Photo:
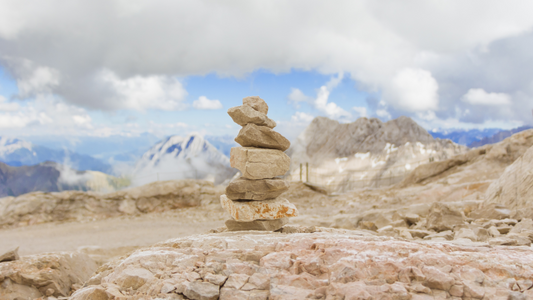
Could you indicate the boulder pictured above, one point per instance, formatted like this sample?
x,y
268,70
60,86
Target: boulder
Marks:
x,y
261,225
51,274
513,188
257,163
202,291
263,189
247,211
491,211
245,114
252,135
443,217
10,255
466,233
525,225
256,103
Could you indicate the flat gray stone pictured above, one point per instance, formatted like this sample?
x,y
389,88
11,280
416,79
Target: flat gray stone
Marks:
x,y
262,225
252,135
261,189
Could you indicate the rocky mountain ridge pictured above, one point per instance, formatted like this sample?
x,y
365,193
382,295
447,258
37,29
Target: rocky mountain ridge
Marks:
x,y
17,152
365,153
182,157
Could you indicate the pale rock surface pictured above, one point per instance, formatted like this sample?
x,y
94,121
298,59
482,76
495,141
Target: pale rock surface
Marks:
x,y
245,114
257,163
443,217
491,211
338,264
261,225
252,135
513,188
247,211
261,189
256,103
52,274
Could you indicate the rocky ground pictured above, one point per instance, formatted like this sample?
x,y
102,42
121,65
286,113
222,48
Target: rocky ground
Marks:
x,y
445,232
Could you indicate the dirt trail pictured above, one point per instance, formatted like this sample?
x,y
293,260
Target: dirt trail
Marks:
x,y
113,233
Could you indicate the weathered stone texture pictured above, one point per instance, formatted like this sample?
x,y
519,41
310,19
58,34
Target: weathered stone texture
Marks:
x,y
256,103
257,163
246,211
245,114
252,135
261,225
261,189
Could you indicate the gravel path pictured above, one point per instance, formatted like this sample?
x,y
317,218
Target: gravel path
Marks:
x,y
143,230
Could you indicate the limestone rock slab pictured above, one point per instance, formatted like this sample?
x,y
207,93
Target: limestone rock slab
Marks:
x,y
261,189
256,163
262,225
252,135
245,114
256,103
247,211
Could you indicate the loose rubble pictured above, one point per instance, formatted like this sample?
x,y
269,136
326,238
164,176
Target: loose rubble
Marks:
x,y
322,264
50,275
253,200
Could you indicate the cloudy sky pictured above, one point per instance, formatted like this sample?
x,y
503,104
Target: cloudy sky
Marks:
x,y
108,67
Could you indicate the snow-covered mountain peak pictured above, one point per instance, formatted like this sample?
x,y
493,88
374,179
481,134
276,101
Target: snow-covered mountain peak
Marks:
x,y
10,145
181,147
180,157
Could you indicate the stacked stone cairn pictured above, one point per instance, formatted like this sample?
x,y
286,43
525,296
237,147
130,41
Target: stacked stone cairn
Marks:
x,y
253,200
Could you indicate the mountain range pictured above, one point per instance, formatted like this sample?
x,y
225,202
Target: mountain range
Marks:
x,y
475,137
53,177
182,157
16,152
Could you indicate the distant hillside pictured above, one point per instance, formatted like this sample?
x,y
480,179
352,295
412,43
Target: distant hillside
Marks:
x,y
16,152
183,157
53,177
109,149
498,137
365,153
16,181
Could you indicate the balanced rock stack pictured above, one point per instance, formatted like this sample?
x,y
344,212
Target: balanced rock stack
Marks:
x,y
253,199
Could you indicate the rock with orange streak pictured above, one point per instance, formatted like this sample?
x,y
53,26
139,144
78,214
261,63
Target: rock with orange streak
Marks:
x,y
247,211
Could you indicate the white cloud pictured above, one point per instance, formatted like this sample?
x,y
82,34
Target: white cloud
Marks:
x,y
296,96
7,106
203,103
373,41
300,117
413,90
361,111
145,92
480,97
383,113
47,115
33,79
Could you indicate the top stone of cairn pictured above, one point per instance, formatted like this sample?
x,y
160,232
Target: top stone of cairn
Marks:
x,y
256,103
